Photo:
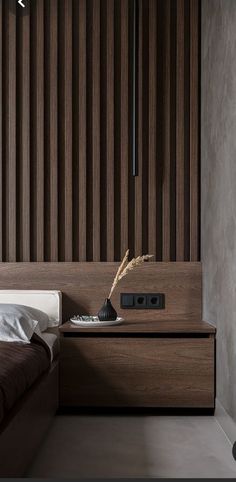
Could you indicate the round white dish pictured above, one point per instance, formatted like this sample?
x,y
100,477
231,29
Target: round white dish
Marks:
x,y
90,324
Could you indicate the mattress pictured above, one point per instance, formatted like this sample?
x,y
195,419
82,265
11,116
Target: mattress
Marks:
x,y
20,366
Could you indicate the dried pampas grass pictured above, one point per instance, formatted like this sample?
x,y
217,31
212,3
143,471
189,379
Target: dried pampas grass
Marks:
x,y
125,267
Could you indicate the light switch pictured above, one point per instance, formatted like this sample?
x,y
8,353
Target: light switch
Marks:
x,y
127,300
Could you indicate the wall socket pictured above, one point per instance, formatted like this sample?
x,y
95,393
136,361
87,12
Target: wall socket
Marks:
x,y
142,301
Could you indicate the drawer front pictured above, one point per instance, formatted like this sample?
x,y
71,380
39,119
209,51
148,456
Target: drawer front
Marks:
x,y
137,372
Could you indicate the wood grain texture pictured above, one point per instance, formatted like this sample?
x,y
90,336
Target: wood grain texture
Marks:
x,y
152,145
52,86
180,206
82,129
66,79
194,130
96,126
110,130
157,327
124,135
38,128
167,138
137,372
1,146
138,235
10,128
86,285
24,135
66,126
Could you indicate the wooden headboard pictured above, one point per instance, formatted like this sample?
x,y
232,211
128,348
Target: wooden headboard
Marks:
x,y
86,285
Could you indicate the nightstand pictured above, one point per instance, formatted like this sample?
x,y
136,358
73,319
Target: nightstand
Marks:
x,y
138,364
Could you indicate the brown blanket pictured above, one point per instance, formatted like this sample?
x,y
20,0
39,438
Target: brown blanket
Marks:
x,y
20,366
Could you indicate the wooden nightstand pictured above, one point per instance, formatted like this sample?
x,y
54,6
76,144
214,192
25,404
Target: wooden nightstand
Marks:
x,y
138,364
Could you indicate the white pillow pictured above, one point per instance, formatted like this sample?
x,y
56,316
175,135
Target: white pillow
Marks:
x,y
18,322
16,328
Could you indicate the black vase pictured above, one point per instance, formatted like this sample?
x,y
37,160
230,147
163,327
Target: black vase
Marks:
x,y
107,312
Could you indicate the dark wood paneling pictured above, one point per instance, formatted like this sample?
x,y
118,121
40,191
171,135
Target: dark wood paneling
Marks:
x,y
152,129
110,129
124,127
138,235
52,126
9,21
81,61
1,152
65,129
194,131
37,132
23,127
137,372
86,285
95,89
180,77
166,136
66,173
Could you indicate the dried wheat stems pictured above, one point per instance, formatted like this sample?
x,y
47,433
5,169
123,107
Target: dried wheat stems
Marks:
x,y
125,267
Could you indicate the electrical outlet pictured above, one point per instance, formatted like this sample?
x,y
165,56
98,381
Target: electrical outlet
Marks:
x,y
156,301
142,301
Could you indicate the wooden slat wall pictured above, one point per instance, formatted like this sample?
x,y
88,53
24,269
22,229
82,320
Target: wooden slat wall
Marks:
x,y
23,148
9,21
110,130
1,153
66,187
167,139
52,126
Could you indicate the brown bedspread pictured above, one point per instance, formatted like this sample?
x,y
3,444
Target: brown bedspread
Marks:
x,y
20,366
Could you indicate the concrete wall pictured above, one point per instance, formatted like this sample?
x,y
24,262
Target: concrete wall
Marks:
x,y
218,157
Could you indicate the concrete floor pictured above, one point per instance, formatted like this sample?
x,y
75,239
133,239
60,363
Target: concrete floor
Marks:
x,y
134,446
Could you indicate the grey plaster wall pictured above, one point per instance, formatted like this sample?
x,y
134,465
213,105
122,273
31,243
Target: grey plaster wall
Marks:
x,y
218,158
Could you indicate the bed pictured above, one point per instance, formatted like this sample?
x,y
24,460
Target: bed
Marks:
x,y
28,384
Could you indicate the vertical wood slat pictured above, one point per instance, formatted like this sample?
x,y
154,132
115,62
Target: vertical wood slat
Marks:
x,y
82,129
167,139
124,138
1,124
194,129
67,135
38,127
96,128
152,208
10,123
110,129
24,134
138,179
33,196
53,134
180,211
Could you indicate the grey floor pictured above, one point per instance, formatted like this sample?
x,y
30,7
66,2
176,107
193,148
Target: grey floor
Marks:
x,y
134,446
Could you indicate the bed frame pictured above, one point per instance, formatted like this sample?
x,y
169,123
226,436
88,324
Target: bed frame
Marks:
x,y
24,428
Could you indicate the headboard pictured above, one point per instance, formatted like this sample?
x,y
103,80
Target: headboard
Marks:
x,y
84,286
48,301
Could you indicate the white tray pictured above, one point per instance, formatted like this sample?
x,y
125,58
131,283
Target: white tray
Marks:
x,y
90,324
